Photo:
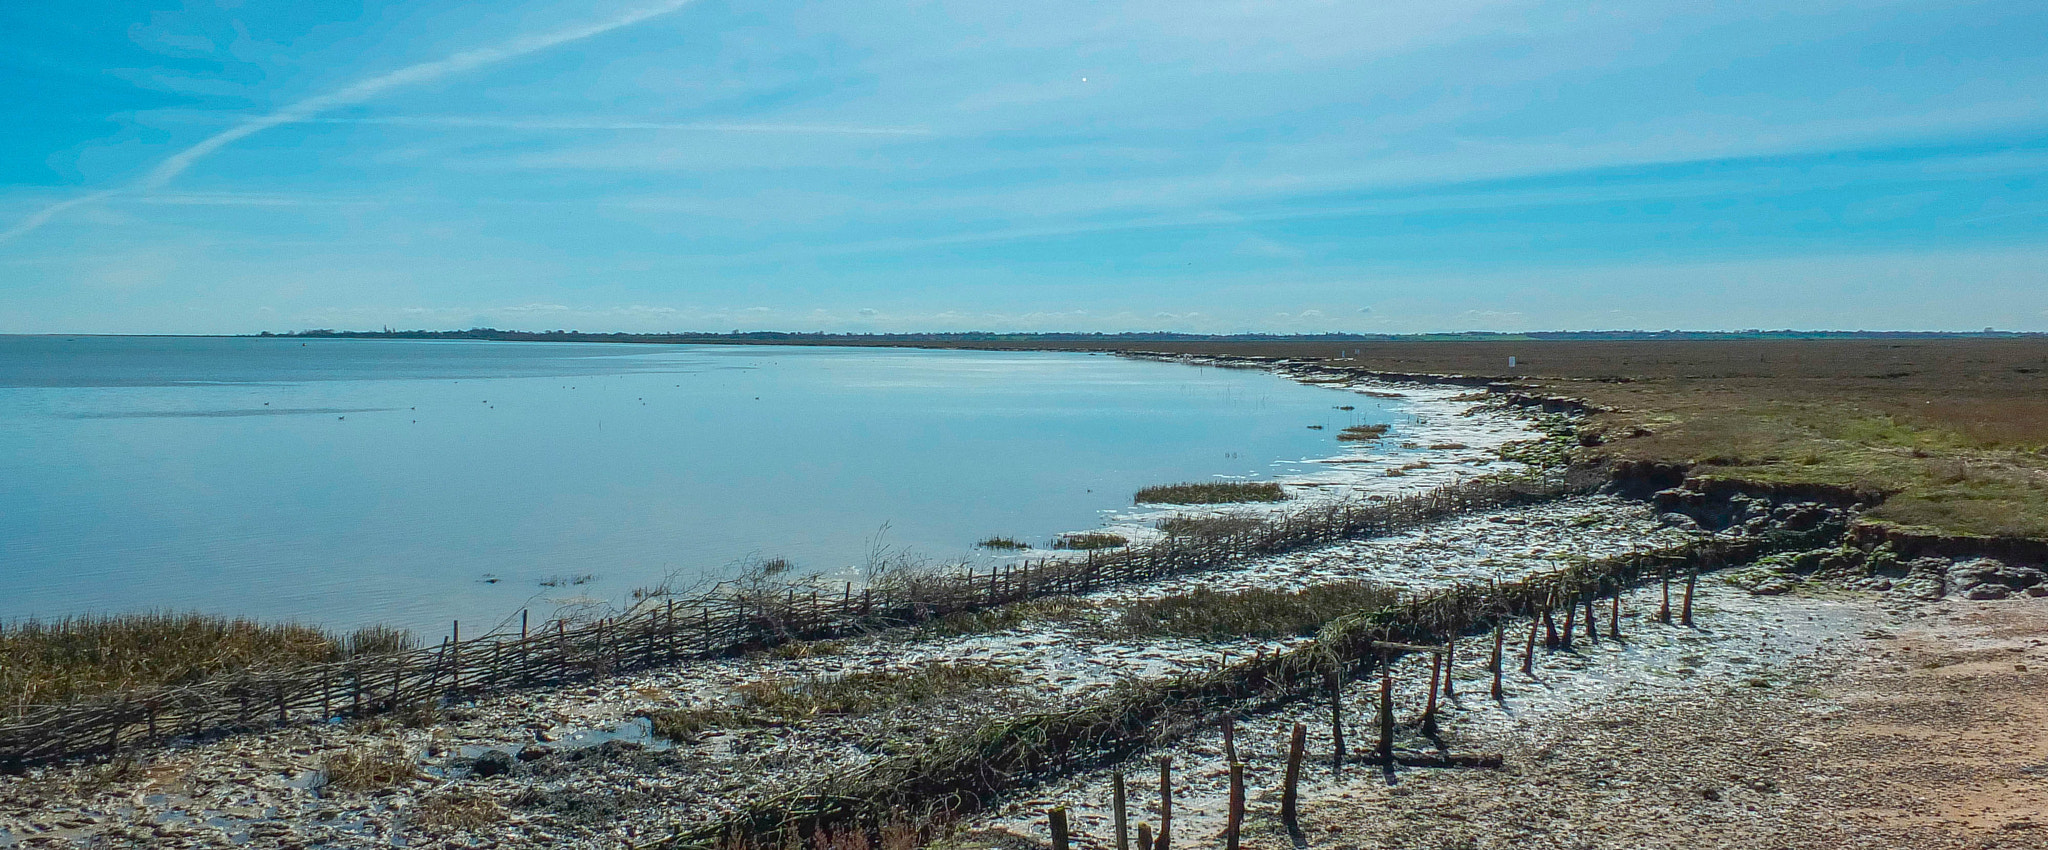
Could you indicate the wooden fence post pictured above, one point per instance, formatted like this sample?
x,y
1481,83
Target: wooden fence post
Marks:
x,y
1664,610
1336,722
1614,617
1165,803
1436,669
1233,826
1549,624
1592,627
1500,636
1229,739
1529,652
1691,578
1145,836
1386,711
1057,821
1289,794
1450,663
1571,610
1118,812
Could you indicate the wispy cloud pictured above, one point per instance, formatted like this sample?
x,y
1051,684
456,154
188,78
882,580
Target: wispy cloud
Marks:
x,y
361,92
620,124
42,216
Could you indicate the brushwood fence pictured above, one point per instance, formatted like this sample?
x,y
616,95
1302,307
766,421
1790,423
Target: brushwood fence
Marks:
x,y
729,618
971,771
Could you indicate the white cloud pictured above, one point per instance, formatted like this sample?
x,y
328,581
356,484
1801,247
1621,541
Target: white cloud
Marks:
x,y
360,92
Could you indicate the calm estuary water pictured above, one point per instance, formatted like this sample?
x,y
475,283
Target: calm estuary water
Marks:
x,y
343,482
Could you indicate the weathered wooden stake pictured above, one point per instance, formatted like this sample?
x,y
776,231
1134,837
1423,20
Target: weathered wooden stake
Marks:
x,y
1500,637
1145,836
1165,803
1691,578
1289,794
1664,610
1450,663
1529,653
1233,827
1118,812
1229,739
1436,670
1571,610
1058,823
1336,722
1592,628
1549,625
455,656
1614,617
1386,748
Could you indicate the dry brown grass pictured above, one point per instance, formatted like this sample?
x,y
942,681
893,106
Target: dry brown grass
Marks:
x,y
369,768
1205,614
456,808
782,700
56,661
1209,528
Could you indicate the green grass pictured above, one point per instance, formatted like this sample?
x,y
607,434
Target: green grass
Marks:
x,y
57,661
1364,433
1090,540
1212,493
784,700
1934,478
1204,614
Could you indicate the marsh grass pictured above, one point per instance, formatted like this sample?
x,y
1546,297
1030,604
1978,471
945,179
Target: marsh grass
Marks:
x,y
1204,614
1090,540
1363,433
1212,493
368,768
1008,543
786,700
456,808
1046,609
44,662
1209,528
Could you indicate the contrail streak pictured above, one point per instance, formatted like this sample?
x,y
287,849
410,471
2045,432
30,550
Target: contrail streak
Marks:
x,y
360,92
42,216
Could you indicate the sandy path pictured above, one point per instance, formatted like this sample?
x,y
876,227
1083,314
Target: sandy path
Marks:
x,y
1928,731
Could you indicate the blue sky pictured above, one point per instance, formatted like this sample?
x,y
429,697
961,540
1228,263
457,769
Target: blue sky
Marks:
x,y
1394,166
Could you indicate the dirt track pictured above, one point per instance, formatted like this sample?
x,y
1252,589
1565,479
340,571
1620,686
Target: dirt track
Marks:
x,y
1929,732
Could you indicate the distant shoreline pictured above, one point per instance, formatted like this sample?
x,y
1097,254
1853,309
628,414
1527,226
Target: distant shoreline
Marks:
x,y
988,337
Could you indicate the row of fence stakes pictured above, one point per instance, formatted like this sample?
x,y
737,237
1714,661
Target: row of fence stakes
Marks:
x,y
1442,666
